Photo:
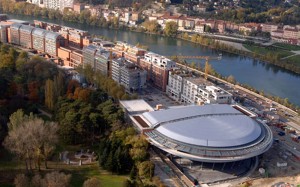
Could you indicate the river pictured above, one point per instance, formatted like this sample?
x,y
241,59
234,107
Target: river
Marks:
x,y
262,76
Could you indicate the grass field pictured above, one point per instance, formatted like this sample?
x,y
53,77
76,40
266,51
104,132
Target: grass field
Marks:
x,y
10,167
288,46
294,59
265,50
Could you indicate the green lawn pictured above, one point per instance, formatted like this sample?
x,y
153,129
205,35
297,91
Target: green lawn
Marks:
x,y
265,50
9,167
294,59
81,173
288,46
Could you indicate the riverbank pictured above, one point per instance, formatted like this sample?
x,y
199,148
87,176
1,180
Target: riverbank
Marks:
x,y
276,81
281,102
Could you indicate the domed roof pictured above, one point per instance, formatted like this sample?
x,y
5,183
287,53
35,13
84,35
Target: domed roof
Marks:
x,y
209,125
213,131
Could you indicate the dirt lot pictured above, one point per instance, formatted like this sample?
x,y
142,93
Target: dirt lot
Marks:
x,y
273,181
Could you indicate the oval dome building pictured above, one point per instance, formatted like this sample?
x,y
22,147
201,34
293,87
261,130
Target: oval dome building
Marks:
x,y
209,133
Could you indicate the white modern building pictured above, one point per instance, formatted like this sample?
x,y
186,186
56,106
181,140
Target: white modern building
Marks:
x,y
159,60
175,84
53,4
208,133
185,88
190,89
212,95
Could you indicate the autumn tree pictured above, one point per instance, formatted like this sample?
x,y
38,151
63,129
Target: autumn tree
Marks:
x,y
151,26
72,85
21,180
231,79
30,138
33,89
49,94
171,28
56,179
207,69
92,182
146,169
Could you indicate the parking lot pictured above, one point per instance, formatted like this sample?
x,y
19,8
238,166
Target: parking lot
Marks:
x,y
154,97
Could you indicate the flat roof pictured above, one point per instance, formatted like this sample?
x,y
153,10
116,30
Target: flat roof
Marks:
x,y
197,81
138,105
18,21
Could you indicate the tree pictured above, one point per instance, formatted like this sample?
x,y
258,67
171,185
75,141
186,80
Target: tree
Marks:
x,y
21,180
146,169
207,28
92,182
33,89
171,28
7,61
151,26
49,94
56,179
207,69
231,79
31,139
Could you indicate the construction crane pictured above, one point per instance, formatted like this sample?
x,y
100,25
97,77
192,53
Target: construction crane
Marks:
x,y
207,58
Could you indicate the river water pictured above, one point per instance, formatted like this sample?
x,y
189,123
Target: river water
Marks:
x,y
262,76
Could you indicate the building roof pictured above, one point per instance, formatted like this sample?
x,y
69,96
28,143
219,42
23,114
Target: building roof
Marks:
x,y
209,125
138,105
90,48
197,81
39,32
18,21
51,35
26,28
16,26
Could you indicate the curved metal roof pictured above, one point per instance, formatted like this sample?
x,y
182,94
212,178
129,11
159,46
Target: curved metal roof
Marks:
x,y
90,48
26,28
15,26
209,125
39,32
213,131
51,35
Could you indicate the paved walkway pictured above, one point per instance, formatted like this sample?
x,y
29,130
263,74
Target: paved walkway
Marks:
x,y
160,171
289,56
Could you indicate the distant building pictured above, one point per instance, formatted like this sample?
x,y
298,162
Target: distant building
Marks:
x,y
26,36
38,37
15,33
52,4
128,74
103,62
212,95
268,27
199,27
78,7
65,4
290,33
4,33
190,89
52,42
89,53
76,58
135,16
175,84
157,68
